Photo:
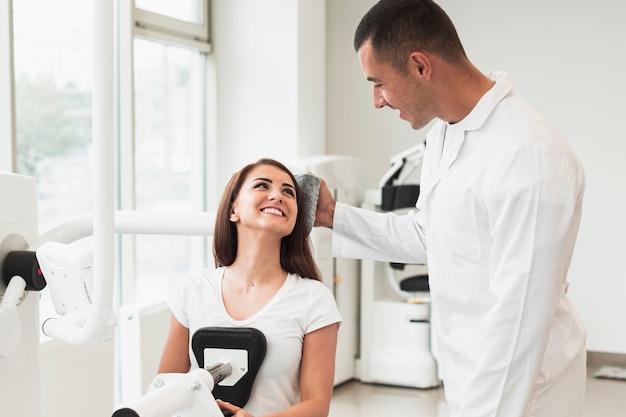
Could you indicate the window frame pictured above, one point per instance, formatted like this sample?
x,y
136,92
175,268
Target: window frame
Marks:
x,y
167,29
138,23
8,148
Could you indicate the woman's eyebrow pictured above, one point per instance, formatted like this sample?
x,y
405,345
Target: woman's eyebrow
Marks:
x,y
285,184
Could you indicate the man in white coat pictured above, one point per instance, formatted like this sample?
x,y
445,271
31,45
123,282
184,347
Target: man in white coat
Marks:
x,y
496,220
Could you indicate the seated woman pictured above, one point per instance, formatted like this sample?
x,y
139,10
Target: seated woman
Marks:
x,y
265,278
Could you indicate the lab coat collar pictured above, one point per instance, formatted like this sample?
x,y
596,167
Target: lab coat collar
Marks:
x,y
455,133
487,103
448,138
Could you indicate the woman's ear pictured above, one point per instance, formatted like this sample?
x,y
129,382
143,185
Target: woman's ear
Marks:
x,y
234,217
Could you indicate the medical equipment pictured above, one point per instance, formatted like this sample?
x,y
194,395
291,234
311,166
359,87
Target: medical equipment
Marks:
x,y
9,320
68,270
403,164
65,270
182,395
19,329
396,346
75,294
345,177
19,310
19,332
229,359
20,273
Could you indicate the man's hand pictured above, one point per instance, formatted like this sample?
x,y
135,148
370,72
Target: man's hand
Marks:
x,y
325,210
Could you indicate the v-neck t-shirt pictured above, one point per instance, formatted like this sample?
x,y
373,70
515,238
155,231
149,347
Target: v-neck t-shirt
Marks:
x,y
300,306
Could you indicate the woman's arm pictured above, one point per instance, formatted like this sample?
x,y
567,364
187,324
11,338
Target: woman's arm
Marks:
x,y
175,357
317,374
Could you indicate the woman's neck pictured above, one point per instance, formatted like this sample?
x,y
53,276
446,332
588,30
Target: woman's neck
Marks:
x,y
257,263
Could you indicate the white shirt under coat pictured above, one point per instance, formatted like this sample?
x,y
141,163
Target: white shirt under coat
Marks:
x,y
496,222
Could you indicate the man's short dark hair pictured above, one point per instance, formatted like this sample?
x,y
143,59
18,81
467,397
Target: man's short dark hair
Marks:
x,y
398,27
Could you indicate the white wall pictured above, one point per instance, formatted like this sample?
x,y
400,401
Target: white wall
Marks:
x,y
270,69
354,126
566,57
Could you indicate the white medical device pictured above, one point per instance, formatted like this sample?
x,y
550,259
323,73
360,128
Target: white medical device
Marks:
x,y
229,360
68,270
19,333
20,272
9,319
181,395
403,165
396,346
79,299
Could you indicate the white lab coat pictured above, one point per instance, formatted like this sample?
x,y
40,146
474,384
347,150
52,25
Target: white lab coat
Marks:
x,y
497,220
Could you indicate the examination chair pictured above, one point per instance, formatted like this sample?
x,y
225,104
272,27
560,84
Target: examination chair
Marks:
x,y
399,197
229,360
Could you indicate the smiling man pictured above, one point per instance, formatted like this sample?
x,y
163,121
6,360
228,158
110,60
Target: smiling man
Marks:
x,y
496,221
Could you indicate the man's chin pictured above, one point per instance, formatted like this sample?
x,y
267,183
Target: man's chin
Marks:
x,y
419,124
416,125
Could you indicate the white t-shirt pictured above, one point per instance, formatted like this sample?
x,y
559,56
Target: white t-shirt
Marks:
x,y
300,306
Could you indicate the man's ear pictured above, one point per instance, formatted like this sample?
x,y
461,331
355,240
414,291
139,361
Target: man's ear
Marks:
x,y
420,65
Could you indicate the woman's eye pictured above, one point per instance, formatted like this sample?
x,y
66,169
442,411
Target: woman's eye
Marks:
x,y
261,185
289,192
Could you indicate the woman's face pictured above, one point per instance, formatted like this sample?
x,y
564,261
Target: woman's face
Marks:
x,y
266,201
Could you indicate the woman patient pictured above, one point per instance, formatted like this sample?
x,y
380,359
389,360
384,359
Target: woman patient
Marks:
x,y
265,277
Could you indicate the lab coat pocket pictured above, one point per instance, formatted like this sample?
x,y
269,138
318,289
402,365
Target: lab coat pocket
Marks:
x,y
460,233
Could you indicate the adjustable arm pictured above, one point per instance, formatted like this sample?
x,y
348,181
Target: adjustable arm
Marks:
x,y
75,263
20,273
182,395
9,320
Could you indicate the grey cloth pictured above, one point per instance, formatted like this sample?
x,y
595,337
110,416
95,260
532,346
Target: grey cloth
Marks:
x,y
309,187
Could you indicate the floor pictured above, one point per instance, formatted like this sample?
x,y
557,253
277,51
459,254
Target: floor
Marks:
x,y
605,398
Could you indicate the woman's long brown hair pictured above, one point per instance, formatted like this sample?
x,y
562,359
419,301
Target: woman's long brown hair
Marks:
x,y
296,255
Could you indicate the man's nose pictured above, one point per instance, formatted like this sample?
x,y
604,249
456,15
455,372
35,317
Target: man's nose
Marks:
x,y
379,100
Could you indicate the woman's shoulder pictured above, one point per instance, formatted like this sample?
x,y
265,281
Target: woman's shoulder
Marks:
x,y
309,284
299,278
317,300
203,277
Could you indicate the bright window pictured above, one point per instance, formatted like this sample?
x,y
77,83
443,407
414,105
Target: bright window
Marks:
x,y
166,130
169,130
53,87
